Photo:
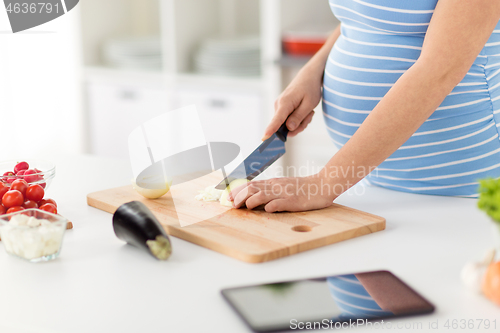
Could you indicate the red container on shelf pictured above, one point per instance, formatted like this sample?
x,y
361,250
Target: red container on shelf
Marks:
x,y
303,43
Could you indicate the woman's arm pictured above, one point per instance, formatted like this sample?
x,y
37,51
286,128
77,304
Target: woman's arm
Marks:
x,y
457,32
303,94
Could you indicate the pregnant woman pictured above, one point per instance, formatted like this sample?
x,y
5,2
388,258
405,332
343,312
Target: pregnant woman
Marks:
x,y
411,96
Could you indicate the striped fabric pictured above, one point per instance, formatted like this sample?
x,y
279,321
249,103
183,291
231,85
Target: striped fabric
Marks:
x,y
458,144
353,299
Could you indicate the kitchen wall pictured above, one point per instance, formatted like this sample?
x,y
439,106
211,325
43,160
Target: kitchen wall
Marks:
x,y
40,89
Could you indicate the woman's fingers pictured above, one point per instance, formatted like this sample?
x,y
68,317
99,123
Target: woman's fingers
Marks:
x,y
246,192
299,115
234,192
259,198
280,205
307,120
294,112
285,194
283,108
254,194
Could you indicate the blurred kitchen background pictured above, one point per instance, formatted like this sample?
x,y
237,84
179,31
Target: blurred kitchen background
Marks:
x,y
83,82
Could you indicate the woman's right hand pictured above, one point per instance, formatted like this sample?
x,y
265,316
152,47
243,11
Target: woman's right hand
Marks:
x,y
303,94
296,103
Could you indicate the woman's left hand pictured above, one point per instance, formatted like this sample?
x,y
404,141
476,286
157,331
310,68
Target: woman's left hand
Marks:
x,y
286,194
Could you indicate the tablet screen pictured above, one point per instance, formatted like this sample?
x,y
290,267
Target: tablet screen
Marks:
x,y
325,302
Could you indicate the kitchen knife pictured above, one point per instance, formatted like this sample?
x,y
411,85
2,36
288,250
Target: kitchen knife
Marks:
x,y
260,159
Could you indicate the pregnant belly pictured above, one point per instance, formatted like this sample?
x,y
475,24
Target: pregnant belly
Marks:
x,y
457,145
357,76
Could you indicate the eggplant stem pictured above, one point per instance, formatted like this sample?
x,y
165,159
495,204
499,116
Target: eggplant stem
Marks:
x,y
160,247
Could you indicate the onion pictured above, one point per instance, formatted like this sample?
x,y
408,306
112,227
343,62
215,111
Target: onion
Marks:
x,y
209,194
473,272
472,275
152,193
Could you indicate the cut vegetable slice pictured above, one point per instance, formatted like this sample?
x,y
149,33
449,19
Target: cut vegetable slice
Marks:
x,y
151,193
209,194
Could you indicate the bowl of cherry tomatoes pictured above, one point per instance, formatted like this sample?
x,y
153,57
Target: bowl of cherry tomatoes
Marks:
x,y
35,171
23,187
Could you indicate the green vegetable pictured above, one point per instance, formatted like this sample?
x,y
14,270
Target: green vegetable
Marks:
x,y
280,288
489,198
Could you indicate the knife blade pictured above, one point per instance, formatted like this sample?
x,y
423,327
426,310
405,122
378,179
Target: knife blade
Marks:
x,y
260,159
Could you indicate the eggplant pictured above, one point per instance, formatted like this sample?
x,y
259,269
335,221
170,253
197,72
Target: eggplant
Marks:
x,y
135,224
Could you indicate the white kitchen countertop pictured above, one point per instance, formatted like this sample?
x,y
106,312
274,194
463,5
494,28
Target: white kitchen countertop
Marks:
x,y
100,284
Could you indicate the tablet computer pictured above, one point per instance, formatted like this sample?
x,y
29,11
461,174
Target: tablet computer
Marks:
x,y
340,301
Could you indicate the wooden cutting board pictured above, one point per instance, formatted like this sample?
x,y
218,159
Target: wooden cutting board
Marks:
x,y
248,235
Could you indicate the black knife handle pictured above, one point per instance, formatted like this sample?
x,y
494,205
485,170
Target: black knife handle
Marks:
x,y
282,132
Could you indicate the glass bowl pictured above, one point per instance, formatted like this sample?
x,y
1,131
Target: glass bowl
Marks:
x,y
43,178
23,238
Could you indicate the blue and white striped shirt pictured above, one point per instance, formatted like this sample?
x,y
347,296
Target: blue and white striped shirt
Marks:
x,y
458,144
353,299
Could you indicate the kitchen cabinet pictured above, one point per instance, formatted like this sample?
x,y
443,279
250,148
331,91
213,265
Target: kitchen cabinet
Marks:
x,y
114,110
233,109
231,117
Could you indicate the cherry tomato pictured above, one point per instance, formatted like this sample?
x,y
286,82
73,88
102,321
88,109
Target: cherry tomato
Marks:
x,y
32,176
35,193
9,177
43,185
2,210
20,173
14,209
21,185
21,166
3,189
46,201
13,198
49,208
30,204
39,173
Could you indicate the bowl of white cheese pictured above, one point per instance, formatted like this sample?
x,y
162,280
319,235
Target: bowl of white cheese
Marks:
x,y
33,234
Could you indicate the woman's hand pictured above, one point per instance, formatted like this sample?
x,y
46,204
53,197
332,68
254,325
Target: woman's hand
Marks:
x,y
303,94
287,194
296,103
